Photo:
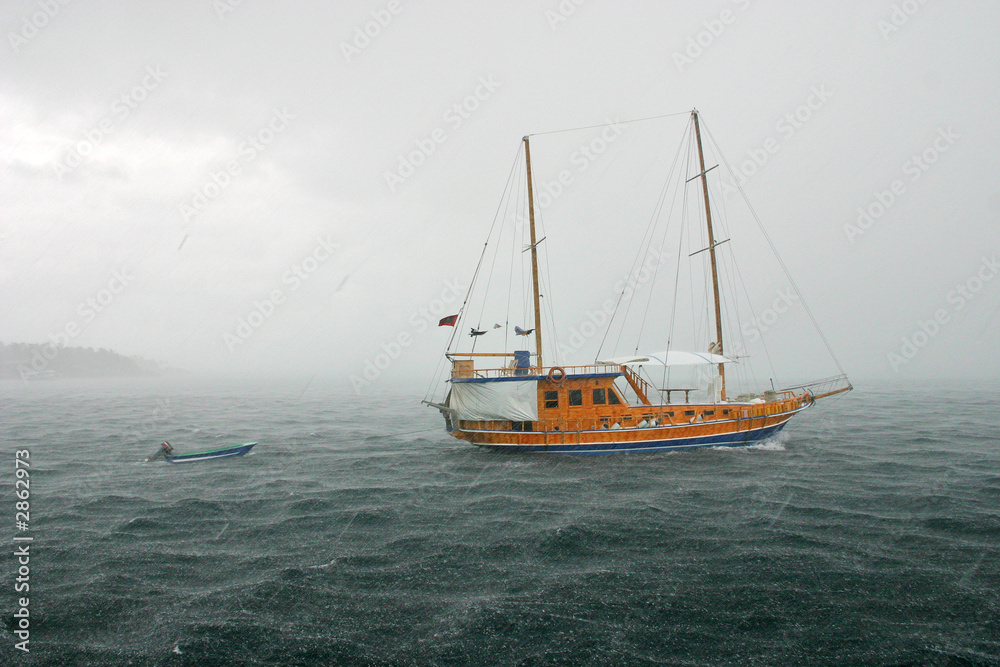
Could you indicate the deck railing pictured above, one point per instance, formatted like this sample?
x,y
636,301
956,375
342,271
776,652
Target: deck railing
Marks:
x,y
822,388
462,371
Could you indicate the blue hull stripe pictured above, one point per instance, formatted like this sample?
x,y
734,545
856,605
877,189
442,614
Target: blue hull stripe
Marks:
x,y
722,440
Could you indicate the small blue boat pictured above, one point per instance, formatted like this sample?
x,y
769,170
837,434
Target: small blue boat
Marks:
x,y
167,451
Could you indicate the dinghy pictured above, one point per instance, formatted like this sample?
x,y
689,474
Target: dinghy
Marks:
x,y
166,451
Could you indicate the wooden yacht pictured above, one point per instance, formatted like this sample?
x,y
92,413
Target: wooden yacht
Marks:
x,y
512,400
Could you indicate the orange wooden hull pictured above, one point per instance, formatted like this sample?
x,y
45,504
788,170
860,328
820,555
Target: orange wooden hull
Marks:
x,y
716,433
583,412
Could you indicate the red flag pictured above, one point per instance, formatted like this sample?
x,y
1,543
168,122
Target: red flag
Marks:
x,y
448,321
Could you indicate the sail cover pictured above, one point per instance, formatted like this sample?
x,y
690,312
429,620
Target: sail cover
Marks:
x,y
671,358
516,400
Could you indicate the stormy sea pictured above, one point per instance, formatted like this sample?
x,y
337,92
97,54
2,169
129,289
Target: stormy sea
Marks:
x,y
358,532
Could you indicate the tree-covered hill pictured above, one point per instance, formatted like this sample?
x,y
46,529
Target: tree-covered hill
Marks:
x,y
30,361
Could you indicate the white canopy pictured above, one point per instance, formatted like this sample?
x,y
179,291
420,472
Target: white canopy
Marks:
x,y
516,400
670,358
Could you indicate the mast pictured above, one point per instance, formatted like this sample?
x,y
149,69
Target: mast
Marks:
x,y
711,250
534,258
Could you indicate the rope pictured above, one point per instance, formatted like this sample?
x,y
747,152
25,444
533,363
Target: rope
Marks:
x,y
774,250
393,435
439,371
622,122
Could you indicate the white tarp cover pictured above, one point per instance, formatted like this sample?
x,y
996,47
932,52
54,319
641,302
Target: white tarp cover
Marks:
x,y
516,400
671,358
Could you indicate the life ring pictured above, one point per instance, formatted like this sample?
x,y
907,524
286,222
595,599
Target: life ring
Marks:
x,y
556,375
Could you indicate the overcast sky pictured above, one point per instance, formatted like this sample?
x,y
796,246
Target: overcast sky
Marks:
x,y
169,169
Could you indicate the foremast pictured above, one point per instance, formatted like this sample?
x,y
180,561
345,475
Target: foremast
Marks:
x,y
534,258
711,251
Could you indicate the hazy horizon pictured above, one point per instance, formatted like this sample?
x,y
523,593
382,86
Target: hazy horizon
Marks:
x,y
261,190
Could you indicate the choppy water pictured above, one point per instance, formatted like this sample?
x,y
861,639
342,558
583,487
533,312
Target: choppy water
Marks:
x,y
358,532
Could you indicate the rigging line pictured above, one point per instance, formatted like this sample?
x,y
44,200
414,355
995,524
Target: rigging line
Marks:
x,y
681,192
527,280
482,255
682,229
472,283
657,212
731,308
424,430
774,250
738,286
505,203
763,344
746,370
698,312
680,247
650,228
547,306
518,209
516,231
621,122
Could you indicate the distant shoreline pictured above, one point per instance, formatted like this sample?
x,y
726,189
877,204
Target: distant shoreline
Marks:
x,y
43,362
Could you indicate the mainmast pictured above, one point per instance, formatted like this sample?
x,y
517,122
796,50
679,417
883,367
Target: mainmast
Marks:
x,y
534,258
711,250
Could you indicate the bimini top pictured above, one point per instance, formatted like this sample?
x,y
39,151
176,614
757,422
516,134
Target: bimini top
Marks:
x,y
670,358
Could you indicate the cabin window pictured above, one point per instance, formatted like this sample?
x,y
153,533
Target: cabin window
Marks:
x,y
689,413
613,397
575,397
552,399
600,397
709,412
725,412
